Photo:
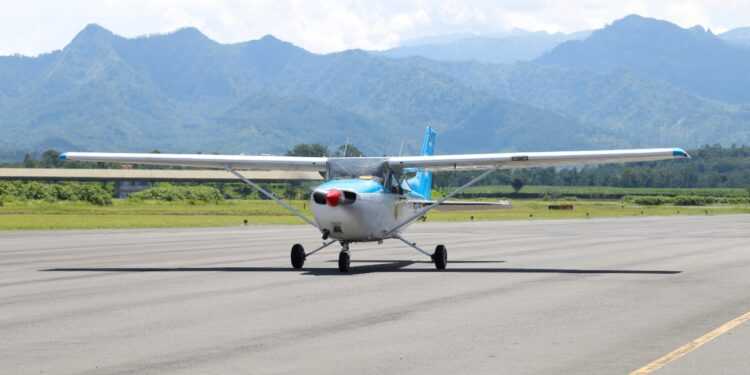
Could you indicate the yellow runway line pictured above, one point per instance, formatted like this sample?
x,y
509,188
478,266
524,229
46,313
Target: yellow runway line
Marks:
x,y
692,345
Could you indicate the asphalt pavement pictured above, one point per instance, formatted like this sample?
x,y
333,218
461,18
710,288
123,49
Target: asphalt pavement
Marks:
x,y
600,296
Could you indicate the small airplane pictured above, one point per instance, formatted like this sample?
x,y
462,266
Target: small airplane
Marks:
x,y
366,199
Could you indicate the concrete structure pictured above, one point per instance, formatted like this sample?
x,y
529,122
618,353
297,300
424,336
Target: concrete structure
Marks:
x,y
525,297
182,175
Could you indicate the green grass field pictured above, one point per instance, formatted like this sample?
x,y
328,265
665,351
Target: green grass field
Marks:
x,y
134,214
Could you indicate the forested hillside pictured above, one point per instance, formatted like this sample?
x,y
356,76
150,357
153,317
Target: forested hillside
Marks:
x,y
694,59
183,92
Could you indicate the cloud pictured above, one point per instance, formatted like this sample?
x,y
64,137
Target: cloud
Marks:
x,y
32,27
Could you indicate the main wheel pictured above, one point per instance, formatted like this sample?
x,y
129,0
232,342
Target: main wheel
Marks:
x,y
344,261
298,256
440,257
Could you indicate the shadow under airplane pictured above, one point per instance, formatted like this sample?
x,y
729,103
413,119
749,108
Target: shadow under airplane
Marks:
x,y
381,266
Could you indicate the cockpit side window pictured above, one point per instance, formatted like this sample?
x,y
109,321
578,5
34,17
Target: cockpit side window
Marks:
x,y
392,184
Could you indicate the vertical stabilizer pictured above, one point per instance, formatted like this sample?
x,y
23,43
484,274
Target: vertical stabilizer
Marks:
x,y
422,183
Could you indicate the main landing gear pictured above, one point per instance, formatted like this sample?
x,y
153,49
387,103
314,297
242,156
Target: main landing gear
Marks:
x,y
439,257
298,255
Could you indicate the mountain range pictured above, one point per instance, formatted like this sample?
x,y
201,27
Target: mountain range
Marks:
x,y
694,59
636,82
739,36
512,47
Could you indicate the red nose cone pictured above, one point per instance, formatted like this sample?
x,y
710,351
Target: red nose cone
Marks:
x,y
333,197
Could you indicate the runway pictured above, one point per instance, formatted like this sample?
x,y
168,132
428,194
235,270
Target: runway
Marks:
x,y
605,296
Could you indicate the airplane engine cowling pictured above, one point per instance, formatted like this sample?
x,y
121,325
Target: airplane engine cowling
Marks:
x,y
335,197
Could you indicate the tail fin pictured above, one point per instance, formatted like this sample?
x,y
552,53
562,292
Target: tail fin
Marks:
x,y
422,183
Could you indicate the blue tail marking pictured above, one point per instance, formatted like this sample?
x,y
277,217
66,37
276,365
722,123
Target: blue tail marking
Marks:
x,y
421,184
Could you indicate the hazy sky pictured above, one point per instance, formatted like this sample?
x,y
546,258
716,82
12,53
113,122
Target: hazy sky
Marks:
x,y
33,26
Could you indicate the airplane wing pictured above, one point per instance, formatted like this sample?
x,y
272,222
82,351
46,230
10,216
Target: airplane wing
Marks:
x,y
239,162
534,159
431,162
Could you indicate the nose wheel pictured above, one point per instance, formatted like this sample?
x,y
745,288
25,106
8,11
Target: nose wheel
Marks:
x,y
344,261
344,258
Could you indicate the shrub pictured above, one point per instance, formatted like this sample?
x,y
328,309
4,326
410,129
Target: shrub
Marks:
x,y
35,191
64,192
647,200
53,192
685,200
94,194
8,189
171,193
735,200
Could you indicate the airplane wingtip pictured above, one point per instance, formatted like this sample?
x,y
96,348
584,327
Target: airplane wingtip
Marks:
x,y
680,153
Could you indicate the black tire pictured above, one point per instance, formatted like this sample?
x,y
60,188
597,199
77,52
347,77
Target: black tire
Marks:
x,y
344,261
440,257
298,256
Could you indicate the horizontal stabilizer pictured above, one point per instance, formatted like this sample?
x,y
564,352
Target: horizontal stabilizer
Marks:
x,y
466,204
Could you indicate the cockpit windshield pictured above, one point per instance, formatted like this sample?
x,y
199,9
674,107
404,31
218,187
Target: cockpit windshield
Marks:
x,y
356,168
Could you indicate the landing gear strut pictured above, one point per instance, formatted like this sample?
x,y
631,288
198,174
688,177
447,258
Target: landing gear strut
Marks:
x,y
344,258
298,254
439,257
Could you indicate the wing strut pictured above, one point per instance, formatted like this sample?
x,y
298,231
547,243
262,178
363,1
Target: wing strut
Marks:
x,y
438,202
270,195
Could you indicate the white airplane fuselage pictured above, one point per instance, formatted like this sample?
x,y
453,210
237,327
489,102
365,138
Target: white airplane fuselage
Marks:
x,y
369,217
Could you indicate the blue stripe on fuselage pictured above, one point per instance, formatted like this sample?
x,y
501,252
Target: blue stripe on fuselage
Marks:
x,y
355,185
